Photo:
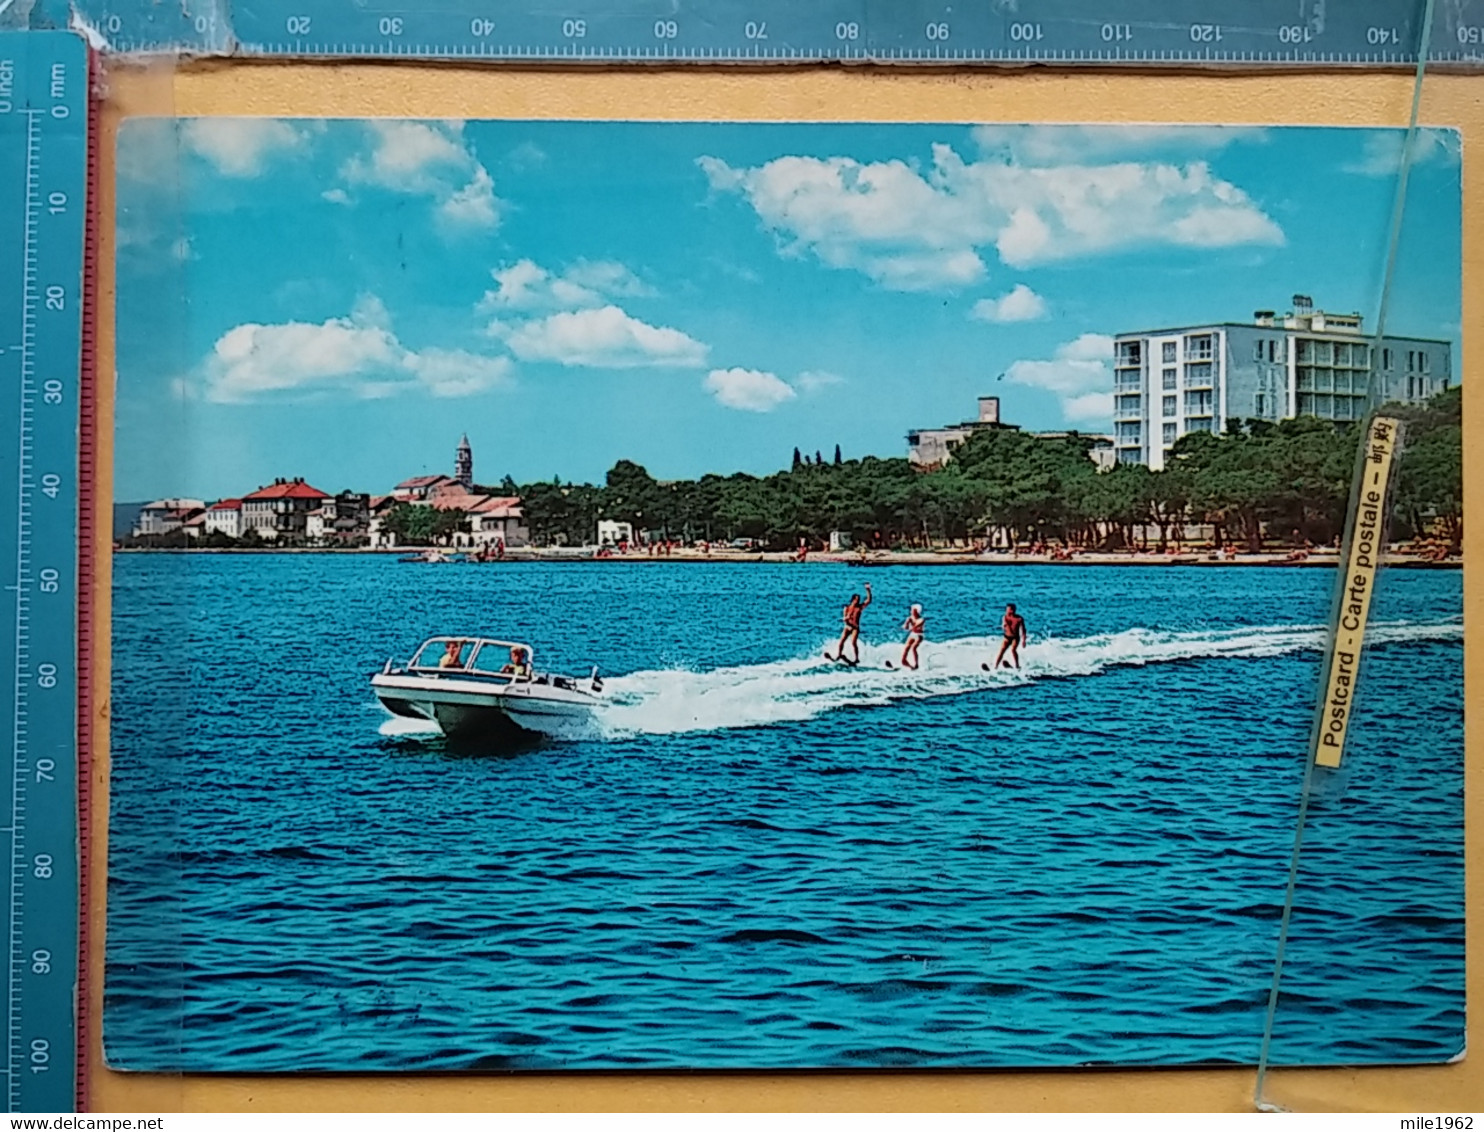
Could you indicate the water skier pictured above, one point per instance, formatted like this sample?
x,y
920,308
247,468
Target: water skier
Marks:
x,y
1013,625
851,634
915,624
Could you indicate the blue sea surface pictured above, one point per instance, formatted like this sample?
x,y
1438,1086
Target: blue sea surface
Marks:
x,y
762,860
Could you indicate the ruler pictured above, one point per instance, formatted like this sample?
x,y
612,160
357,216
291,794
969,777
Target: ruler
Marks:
x,y
44,83
1251,33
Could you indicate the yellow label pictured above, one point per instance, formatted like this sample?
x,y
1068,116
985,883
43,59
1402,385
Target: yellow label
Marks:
x,y
1366,547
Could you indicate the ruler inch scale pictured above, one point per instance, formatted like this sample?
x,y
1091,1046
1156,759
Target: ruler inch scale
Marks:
x,y
1111,33
44,106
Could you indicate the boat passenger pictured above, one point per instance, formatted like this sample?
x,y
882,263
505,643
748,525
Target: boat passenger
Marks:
x,y
520,664
453,657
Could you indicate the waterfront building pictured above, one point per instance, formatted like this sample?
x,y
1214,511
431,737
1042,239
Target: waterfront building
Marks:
x,y
931,448
497,519
165,515
1306,362
420,489
225,515
611,532
1101,453
347,517
377,536
281,510
318,523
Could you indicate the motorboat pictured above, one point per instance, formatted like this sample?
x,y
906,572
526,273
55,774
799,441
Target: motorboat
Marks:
x,y
482,688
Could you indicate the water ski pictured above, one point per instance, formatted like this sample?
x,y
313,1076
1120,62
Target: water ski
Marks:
x,y
841,659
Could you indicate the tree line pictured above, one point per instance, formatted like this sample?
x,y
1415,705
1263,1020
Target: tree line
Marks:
x,y
1258,482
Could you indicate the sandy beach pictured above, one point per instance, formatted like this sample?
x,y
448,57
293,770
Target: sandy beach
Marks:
x,y
1324,557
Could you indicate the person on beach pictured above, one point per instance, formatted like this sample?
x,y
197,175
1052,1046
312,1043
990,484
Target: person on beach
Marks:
x,y
1014,629
914,625
851,633
453,656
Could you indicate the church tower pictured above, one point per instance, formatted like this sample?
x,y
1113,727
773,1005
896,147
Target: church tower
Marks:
x,y
463,464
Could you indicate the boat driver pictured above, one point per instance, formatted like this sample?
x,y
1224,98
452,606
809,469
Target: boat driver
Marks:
x,y
519,664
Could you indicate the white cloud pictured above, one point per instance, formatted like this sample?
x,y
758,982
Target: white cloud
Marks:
x,y
882,219
1088,408
1080,376
474,205
751,390
910,229
1021,304
814,381
526,286
601,337
358,354
1087,348
570,318
527,155
1074,145
148,151
1381,151
335,196
241,147
428,159
458,373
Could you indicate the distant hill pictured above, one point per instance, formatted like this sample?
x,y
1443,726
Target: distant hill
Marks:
x,y
125,515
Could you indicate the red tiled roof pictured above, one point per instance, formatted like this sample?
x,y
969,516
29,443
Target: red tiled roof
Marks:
x,y
296,489
421,481
499,507
459,500
226,505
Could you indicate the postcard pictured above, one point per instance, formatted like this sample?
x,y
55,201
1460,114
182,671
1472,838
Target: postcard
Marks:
x,y
660,595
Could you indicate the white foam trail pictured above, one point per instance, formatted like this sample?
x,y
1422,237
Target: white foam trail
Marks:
x,y
669,701
400,727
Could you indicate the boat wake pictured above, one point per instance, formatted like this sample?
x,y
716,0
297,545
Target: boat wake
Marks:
x,y
400,727
671,701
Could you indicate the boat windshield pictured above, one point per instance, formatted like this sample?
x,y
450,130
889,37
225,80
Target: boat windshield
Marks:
x,y
496,658
482,655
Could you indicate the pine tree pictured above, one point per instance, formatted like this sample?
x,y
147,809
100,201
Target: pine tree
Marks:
x,y
797,458
837,455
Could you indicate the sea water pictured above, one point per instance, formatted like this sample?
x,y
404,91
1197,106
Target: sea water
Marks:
x,y
758,859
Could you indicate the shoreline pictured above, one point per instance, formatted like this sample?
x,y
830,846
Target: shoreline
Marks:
x,y
1320,559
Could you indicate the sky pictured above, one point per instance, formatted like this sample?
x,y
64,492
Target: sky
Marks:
x,y
341,300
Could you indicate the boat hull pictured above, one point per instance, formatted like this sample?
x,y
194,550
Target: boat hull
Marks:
x,y
470,710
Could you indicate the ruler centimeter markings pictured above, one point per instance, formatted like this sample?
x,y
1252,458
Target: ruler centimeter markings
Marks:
x,y
1248,33
44,83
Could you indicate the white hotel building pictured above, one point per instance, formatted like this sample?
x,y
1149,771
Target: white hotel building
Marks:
x,y
1167,383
